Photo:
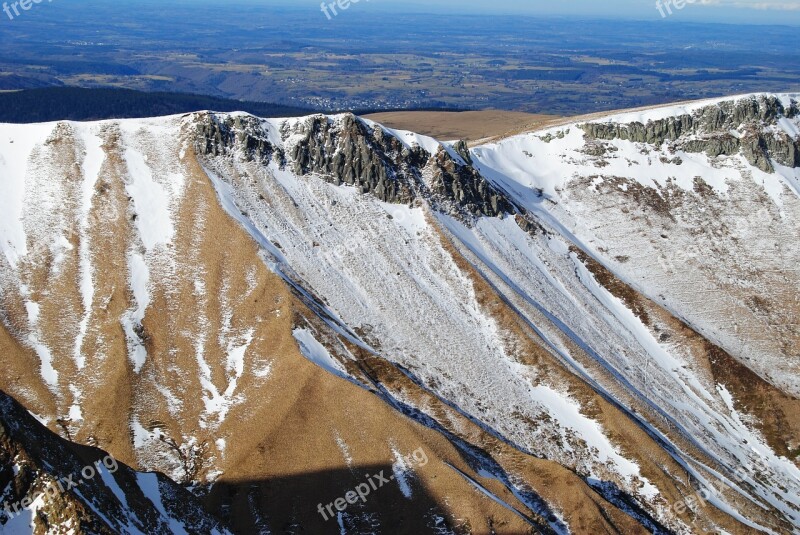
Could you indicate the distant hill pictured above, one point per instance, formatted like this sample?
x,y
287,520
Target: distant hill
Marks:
x,y
81,104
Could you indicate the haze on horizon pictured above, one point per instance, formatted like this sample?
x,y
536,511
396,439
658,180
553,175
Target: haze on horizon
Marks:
x,y
723,11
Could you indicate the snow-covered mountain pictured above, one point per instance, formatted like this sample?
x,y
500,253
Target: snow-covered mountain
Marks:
x,y
586,329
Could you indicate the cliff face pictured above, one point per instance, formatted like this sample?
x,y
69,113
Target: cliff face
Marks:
x,y
348,150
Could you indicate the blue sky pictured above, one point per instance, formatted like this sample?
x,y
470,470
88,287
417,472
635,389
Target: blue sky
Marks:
x,y
729,11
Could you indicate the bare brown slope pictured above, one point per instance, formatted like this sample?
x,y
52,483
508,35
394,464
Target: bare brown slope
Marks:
x,y
469,125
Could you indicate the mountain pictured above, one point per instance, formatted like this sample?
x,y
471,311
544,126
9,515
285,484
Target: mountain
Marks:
x,y
322,325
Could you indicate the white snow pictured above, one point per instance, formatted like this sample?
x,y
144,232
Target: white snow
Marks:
x,y
661,112
215,403
412,220
149,485
567,412
17,142
33,310
317,353
49,373
151,200
140,435
402,474
111,483
789,126
139,283
75,413
412,139
555,163
236,355
92,165
133,524
25,522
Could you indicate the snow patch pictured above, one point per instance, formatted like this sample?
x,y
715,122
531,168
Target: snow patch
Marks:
x,y
152,203
132,321
149,485
317,353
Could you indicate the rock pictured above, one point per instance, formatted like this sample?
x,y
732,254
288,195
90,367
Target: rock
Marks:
x,y
710,127
345,150
462,150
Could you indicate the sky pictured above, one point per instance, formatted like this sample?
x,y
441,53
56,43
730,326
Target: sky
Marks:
x,y
725,11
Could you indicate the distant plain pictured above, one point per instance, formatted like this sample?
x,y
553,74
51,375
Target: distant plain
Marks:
x,y
369,60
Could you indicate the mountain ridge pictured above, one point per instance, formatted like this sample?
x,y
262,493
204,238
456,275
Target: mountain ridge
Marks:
x,y
473,297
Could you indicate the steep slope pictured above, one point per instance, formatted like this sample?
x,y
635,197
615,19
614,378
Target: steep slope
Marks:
x,y
270,311
139,318
711,190
542,273
695,208
53,486
386,290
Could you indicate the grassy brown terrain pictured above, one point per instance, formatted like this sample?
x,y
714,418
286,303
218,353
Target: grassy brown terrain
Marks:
x,y
483,126
469,125
306,437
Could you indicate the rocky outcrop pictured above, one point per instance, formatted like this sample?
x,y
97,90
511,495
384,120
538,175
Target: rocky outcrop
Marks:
x,y
51,483
464,186
346,150
710,128
462,149
219,135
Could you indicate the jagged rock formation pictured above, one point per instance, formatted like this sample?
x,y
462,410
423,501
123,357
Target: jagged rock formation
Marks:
x,y
347,150
219,135
755,120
